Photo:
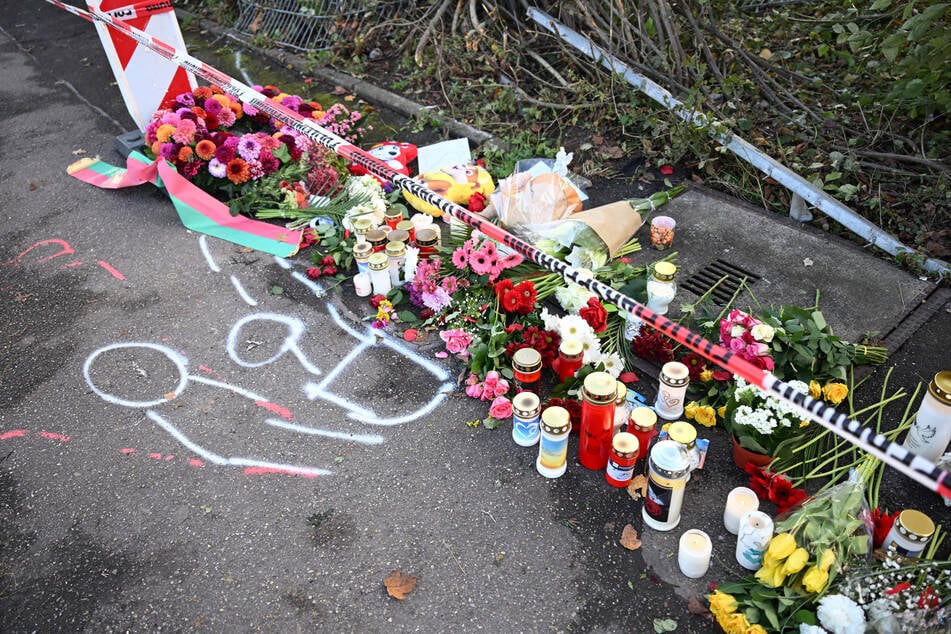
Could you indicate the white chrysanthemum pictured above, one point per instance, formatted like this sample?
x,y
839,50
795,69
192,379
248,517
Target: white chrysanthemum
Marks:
x,y
591,346
612,363
552,322
574,327
810,629
572,298
412,260
763,332
841,615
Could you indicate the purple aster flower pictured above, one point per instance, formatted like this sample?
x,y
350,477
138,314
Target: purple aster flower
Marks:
x,y
217,169
249,148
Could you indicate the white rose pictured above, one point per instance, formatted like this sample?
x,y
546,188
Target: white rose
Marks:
x,y
763,332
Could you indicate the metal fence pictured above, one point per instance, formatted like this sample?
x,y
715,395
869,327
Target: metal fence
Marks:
x,y
312,25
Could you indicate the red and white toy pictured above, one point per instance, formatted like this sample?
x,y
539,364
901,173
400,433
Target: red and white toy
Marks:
x,y
395,154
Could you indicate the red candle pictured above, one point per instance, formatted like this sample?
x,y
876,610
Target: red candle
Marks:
x,y
527,370
570,354
620,469
597,420
641,423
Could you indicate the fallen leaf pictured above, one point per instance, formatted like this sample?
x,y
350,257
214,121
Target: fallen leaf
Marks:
x,y
170,395
695,606
339,90
256,24
765,53
637,487
629,538
664,625
399,585
32,187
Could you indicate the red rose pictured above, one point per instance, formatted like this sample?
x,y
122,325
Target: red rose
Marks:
x,y
595,314
314,272
376,299
477,202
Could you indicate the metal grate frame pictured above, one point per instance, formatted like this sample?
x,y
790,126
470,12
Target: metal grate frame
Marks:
x,y
703,280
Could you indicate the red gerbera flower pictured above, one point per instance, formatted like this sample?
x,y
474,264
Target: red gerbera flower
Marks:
x,y
509,302
526,293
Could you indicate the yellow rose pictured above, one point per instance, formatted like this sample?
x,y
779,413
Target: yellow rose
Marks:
x,y
690,410
756,629
780,547
706,416
815,390
721,603
734,623
706,375
771,575
835,393
796,561
721,412
815,580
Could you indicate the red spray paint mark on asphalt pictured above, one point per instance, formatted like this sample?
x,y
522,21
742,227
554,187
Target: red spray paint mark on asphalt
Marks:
x,y
270,470
54,436
14,433
128,450
283,412
155,456
116,274
195,462
71,264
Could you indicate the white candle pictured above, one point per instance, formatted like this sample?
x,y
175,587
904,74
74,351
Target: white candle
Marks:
x,y
693,556
756,529
361,283
738,502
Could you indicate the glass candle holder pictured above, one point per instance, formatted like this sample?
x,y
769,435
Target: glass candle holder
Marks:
x,y
694,552
410,229
527,370
361,255
392,217
667,477
379,274
930,433
597,420
570,356
674,377
552,458
377,240
396,253
642,422
621,461
662,232
526,420
427,241
361,226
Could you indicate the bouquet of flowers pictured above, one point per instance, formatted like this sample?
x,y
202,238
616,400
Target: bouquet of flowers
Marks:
x,y
245,157
813,544
761,421
748,337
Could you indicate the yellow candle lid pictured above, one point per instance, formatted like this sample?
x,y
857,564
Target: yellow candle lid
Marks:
x,y
600,384
683,432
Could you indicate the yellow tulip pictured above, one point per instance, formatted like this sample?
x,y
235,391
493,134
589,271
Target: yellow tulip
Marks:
x,y
706,375
781,546
796,561
815,580
706,416
771,575
826,560
815,390
835,393
722,603
690,410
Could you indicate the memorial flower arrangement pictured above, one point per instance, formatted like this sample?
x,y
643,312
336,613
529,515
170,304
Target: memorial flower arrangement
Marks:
x,y
247,159
761,421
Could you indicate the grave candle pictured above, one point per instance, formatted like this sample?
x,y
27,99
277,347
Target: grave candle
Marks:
x,y
755,531
693,555
738,502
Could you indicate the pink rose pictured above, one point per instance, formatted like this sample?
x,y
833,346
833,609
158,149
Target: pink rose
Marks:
x,y
501,408
756,349
457,341
501,388
474,391
737,345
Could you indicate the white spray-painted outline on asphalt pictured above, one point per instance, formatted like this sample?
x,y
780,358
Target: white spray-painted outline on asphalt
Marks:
x,y
294,325
243,294
371,339
203,244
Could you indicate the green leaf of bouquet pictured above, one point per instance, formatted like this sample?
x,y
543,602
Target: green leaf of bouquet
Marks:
x,y
805,616
819,320
408,317
490,423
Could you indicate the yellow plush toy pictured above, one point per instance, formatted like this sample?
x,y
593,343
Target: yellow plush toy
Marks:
x,y
457,184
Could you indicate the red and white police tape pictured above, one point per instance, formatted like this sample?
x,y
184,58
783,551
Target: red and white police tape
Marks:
x,y
915,467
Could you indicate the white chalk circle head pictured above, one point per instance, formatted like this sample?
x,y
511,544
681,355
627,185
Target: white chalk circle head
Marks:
x,y
178,362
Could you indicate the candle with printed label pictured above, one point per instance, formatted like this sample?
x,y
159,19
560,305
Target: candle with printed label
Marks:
x,y
553,446
752,539
526,427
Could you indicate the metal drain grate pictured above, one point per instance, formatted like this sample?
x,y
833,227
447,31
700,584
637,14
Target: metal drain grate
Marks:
x,y
703,280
